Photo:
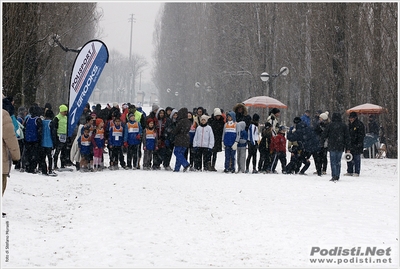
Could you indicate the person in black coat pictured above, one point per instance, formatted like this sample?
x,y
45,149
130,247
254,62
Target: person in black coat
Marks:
x,y
307,140
338,137
182,139
357,134
217,125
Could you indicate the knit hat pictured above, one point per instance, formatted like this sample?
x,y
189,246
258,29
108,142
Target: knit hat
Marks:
x,y
296,120
149,120
282,128
217,112
274,111
154,107
98,121
256,117
130,115
63,108
353,115
204,117
324,115
115,104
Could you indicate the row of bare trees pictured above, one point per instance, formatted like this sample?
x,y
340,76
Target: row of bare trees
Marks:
x,y
339,55
37,71
33,69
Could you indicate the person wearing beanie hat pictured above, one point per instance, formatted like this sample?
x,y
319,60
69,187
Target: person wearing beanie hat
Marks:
x,y
63,108
252,145
203,142
60,122
337,133
217,112
115,104
99,121
154,108
357,135
321,156
217,123
324,116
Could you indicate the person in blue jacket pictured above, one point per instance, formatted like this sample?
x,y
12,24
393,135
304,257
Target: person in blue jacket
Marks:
x,y
132,139
49,136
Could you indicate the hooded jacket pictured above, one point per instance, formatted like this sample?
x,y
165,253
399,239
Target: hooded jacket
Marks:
x,y
181,131
230,132
10,143
337,134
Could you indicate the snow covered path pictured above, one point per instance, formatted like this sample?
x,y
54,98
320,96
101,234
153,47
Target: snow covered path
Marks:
x,y
197,219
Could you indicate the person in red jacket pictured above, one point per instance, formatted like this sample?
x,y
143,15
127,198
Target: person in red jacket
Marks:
x,y
278,150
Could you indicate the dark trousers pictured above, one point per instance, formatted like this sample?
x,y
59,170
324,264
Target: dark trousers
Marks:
x,y
264,163
46,153
116,155
168,155
159,157
32,153
202,159
189,153
64,157
252,155
132,156
294,164
320,159
281,156
305,159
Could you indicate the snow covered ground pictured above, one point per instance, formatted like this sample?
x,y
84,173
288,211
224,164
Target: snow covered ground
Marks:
x,y
200,219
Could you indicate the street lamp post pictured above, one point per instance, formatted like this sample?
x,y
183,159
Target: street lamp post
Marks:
x,y
284,71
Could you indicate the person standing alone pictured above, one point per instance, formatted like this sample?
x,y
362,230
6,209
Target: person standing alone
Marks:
x,y
357,134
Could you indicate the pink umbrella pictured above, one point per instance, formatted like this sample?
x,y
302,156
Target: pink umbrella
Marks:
x,y
264,102
367,108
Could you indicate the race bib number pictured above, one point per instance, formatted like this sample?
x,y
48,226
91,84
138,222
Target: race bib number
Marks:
x,y
62,138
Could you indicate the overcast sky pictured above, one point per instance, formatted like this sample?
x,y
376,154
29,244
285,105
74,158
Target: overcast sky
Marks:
x,y
117,28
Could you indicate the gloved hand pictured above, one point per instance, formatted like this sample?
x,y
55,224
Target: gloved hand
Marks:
x,y
234,146
126,144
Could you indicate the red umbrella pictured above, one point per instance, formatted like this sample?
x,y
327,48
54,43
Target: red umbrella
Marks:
x,y
264,102
367,108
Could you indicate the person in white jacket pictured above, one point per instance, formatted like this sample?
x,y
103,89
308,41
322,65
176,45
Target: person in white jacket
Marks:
x,y
203,143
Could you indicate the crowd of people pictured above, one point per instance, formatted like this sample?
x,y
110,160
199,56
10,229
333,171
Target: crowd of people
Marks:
x,y
135,140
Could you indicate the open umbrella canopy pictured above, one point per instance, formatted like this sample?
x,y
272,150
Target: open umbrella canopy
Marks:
x,y
264,102
367,108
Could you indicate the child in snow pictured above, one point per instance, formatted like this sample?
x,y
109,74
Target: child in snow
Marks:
x,y
203,143
116,141
252,143
264,164
278,149
85,147
132,139
149,143
49,136
241,140
98,144
229,140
